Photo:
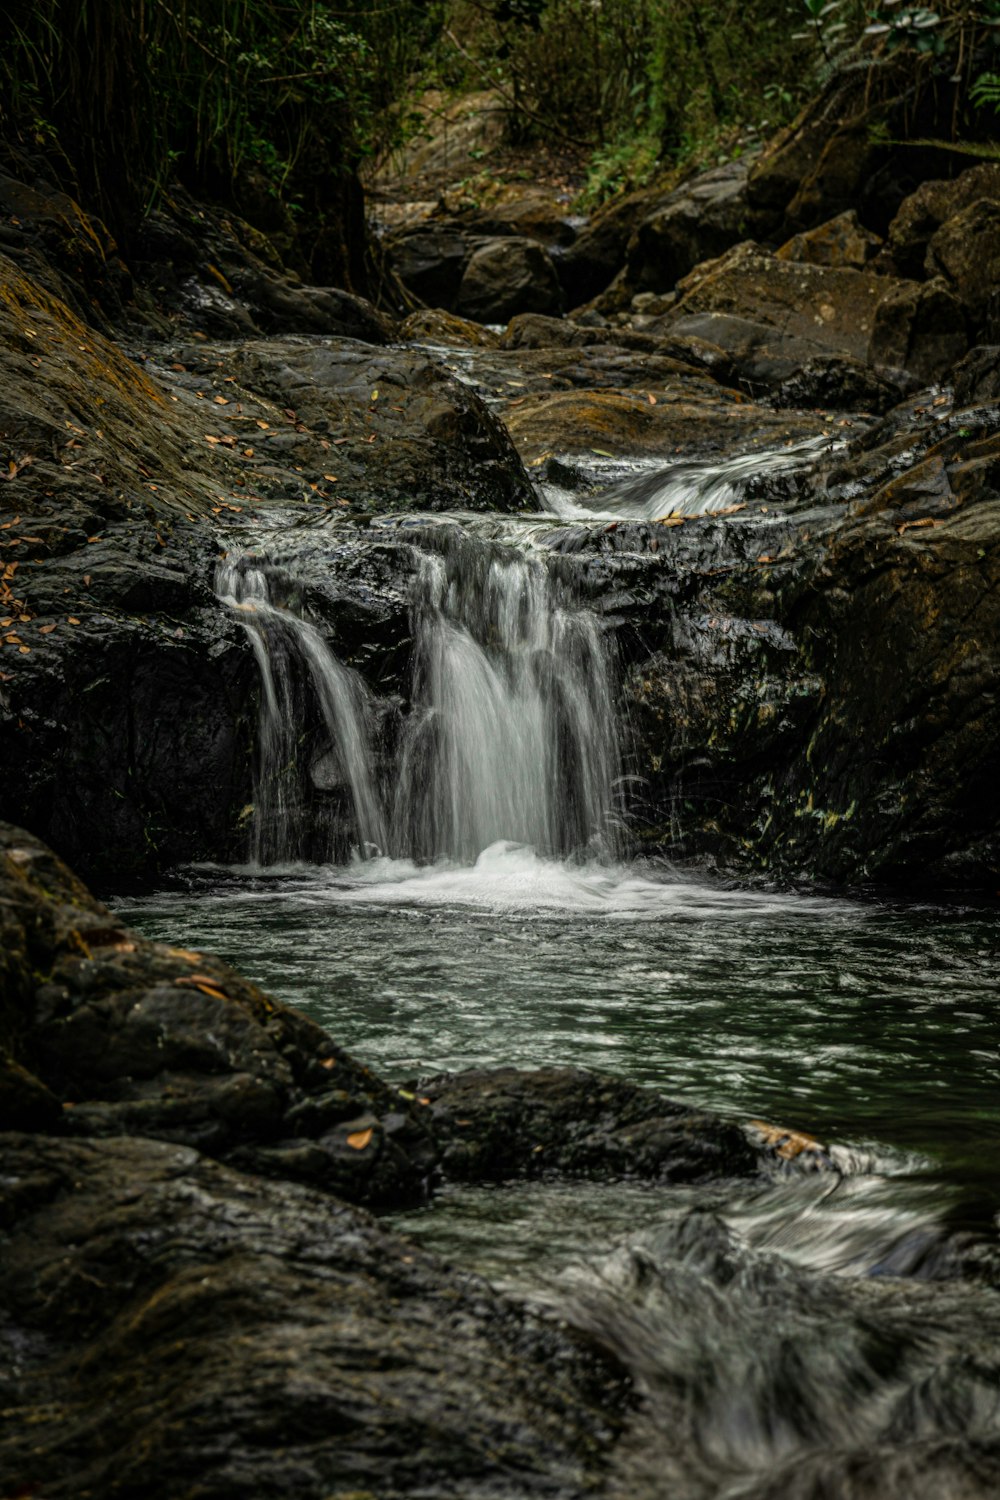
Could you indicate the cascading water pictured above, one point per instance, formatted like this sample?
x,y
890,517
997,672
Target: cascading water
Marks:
x,y
278,635
511,734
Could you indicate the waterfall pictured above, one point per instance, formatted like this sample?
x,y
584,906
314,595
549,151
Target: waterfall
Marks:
x,y
345,703
511,731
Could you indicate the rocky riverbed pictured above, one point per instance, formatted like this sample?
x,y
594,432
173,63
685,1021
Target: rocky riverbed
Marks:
x,y
762,451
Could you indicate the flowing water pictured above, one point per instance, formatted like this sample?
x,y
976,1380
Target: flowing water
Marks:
x,y
829,1336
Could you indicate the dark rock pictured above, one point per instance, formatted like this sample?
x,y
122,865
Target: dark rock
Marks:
x,y
926,210
432,325
133,1038
178,1325
920,328
773,729
503,277
977,376
965,252
505,1122
429,260
700,220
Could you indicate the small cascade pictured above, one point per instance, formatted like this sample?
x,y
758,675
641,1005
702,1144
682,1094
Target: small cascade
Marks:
x,y
511,734
513,731
279,637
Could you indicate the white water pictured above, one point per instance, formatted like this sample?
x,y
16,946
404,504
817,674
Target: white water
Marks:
x,y
655,491
511,730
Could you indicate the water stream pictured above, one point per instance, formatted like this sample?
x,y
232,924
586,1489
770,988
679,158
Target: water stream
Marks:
x,y
833,1336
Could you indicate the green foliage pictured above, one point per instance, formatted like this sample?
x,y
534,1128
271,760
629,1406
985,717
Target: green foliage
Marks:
x,y
137,89
985,92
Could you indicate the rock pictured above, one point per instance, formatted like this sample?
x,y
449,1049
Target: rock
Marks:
x,y
965,253
819,310
772,729
933,203
506,1122
977,376
624,424
429,260
212,1330
761,359
840,243
431,325
134,1038
598,253
919,328
126,691
507,276
700,220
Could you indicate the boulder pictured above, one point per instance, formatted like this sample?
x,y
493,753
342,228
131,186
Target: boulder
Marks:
x,y
933,203
919,327
840,243
207,1331
429,260
841,313
502,1123
965,253
697,419
507,276
432,325
700,220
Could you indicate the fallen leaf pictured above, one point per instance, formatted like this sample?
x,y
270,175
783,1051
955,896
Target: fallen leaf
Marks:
x,y
46,629
359,1139
262,425
220,400
328,1062
73,620
651,398
24,650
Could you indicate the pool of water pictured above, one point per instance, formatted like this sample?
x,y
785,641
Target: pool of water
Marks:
x,y
831,1336
851,1020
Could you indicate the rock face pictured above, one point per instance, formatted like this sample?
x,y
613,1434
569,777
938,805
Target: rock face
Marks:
x,y
126,694
824,696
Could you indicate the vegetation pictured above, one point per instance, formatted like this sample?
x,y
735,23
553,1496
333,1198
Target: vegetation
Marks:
x,y
645,83
133,92
271,105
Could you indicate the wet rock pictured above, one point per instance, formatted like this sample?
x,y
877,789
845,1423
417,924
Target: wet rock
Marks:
x,y
786,737
507,276
506,1122
977,376
135,1038
179,1324
920,328
685,418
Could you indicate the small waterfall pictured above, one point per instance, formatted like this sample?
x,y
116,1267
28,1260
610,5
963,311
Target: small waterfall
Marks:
x,y
511,734
278,636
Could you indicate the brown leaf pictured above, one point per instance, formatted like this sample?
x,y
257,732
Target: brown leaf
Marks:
x,y
220,400
73,619
359,1139
46,629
